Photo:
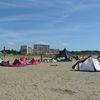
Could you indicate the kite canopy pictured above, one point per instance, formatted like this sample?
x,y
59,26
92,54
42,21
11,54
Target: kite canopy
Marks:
x,y
34,61
98,58
88,64
19,62
23,60
65,55
1,60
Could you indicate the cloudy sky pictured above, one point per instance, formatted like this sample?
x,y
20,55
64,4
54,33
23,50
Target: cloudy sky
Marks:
x,y
71,24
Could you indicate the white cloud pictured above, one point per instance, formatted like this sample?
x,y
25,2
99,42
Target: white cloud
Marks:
x,y
11,43
42,42
58,11
84,7
29,17
12,5
55,4
17,18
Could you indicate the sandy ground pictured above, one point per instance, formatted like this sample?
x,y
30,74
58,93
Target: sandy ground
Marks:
x,y
48,81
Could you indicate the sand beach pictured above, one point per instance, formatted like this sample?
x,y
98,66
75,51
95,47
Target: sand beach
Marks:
x,y
48,81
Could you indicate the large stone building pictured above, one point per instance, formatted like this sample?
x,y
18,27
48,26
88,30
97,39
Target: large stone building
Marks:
x,y
24,49
38,49
41,48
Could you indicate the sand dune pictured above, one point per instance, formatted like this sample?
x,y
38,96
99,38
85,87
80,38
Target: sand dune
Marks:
x,y
48,81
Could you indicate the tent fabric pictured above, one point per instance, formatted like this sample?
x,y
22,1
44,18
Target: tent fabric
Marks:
x,y
98,58
16,63
1,60
23,60
4,63
67,56
19,62
34,61
53,61
88,64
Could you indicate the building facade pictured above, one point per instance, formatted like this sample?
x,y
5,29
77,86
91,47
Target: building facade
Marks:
x,y
24,49
38,49
41,48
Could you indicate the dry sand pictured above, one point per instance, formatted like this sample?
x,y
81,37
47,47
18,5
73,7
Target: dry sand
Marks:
x,y
48,81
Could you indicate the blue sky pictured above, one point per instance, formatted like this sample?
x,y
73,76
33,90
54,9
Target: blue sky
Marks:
x,y
71,24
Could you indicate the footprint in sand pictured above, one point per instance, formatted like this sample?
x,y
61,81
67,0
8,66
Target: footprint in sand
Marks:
x,y
63,91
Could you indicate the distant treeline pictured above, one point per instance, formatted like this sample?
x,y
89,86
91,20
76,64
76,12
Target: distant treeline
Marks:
x,y
11,51
86,52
